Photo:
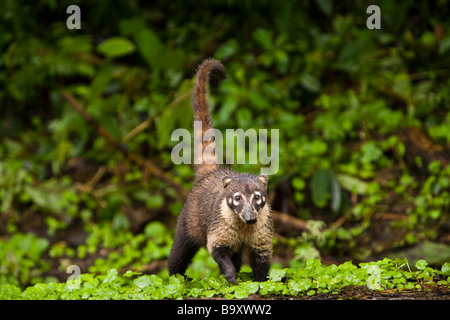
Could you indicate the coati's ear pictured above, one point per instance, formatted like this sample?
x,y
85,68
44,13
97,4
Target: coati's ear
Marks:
x,y
226,181
263,179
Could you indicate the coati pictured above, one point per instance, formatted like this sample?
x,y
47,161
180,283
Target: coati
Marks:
x,y
225,211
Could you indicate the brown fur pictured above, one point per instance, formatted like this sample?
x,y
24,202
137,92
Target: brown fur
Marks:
x,y
201,111
225,211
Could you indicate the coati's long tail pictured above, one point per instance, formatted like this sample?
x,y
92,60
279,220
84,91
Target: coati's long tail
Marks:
x,y
205,161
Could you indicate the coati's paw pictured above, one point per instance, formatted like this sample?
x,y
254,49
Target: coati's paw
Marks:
x,y
260,278
231,277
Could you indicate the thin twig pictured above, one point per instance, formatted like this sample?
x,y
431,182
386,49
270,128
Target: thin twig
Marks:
x,y
144,125
91,121
123,148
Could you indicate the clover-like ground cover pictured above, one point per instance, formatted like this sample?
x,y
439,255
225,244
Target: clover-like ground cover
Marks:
x,y
382,279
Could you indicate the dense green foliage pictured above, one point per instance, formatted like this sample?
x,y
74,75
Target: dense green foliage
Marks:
x,y
288,283
364,118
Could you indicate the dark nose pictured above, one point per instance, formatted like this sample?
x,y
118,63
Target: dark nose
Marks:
x,y
249,217
251,221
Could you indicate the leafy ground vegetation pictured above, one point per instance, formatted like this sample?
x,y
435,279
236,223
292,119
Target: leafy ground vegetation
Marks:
x,y
314,280
87,179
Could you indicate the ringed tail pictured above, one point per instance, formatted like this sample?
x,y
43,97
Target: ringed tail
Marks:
x,y
205,161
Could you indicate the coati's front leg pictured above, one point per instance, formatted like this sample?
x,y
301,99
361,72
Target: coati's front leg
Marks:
x,y
236,258
223,257
260,263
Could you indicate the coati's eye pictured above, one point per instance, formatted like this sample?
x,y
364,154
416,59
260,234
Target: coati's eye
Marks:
x,y
237,197
257,197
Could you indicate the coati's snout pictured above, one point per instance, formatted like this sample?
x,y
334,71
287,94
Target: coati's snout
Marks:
x,y
248,214
246,197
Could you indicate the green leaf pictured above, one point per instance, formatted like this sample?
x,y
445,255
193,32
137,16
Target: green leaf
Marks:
x,y
352,184
373,283
326,6
310,83
421,264
75,44
142,282
343,24
446,269
263,37
209,293
370,152
298,183
116,47
241,293
336,193
271,287
9,291
227,50
352,56
155,229
402,85
154,201
45,196
151,48
164,125
131,273
251,287
311,292
323,185
299,285
445,45
110,276
320,186
277,274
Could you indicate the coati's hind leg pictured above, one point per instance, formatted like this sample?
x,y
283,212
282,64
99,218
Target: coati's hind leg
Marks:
x,y
260,263
181,254
222,255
